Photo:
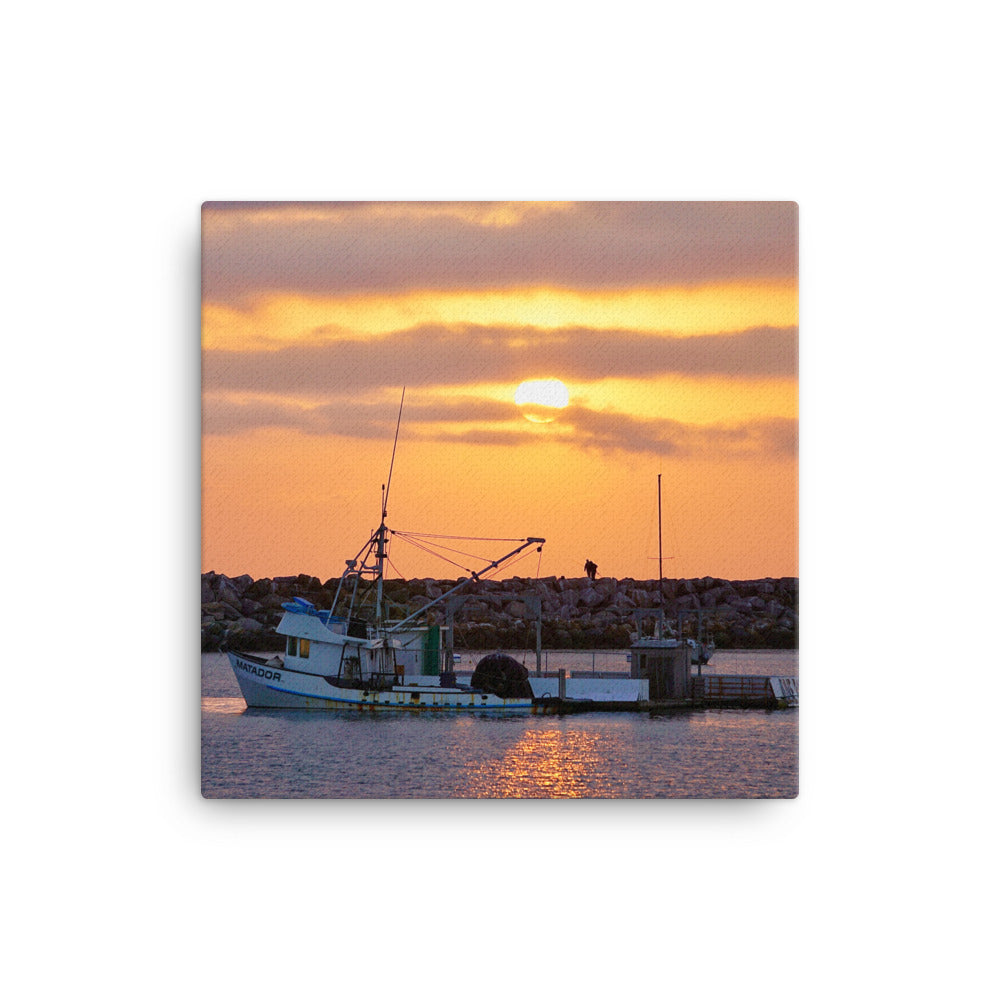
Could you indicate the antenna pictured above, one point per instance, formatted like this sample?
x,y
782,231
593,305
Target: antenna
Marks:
x,y
392,461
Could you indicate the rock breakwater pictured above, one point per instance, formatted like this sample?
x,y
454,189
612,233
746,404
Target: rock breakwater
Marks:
x,y
577,613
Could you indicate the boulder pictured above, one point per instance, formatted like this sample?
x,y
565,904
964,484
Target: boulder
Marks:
x,y
220,610
249,625
475,609
260,589
227,592
622,603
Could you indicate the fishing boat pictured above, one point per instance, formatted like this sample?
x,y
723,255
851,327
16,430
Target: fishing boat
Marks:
x,y
355,656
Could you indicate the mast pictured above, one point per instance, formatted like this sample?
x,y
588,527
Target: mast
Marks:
x,y
380,553
659,515
379,562
659,524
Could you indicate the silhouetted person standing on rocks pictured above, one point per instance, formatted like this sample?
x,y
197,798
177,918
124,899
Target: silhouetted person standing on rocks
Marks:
x,y
590,568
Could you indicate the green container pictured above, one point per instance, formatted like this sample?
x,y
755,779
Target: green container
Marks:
x,y
432,652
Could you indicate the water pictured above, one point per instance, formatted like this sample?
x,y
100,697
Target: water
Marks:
x,y
711,753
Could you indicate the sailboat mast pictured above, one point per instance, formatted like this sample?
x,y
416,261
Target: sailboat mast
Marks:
x,y
659,514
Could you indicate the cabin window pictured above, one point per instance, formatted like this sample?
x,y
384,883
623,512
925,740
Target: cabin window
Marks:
x,y
304,648
292,646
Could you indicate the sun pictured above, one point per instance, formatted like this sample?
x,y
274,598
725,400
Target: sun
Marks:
x,y
541,399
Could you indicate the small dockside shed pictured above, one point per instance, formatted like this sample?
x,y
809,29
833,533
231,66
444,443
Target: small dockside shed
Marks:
x,y
666,664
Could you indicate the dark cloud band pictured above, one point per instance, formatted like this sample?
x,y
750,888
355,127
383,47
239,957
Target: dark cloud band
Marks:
x,y
469,420
338,249
453,356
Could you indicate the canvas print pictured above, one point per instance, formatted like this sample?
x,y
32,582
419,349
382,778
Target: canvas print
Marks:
x,y
499,500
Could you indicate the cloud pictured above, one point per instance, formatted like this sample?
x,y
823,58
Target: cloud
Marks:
x,y
228,216
474,421
609,431
347,417
338,248
435,355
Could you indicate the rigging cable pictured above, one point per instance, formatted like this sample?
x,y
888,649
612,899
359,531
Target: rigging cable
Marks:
x,y
437,555
471,555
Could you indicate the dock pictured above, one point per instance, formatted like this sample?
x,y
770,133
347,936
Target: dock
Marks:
x,y
708,691
659,681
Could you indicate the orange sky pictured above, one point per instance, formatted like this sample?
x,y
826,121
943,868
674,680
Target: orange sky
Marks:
x,y
673,326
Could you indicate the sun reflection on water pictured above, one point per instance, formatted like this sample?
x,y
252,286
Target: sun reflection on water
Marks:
x,y
223,706
548,763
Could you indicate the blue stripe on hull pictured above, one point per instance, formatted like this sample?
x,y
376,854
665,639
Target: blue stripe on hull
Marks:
x,y
402,707
388,707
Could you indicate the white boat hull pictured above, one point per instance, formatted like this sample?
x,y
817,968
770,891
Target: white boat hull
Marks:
x,y
270,684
